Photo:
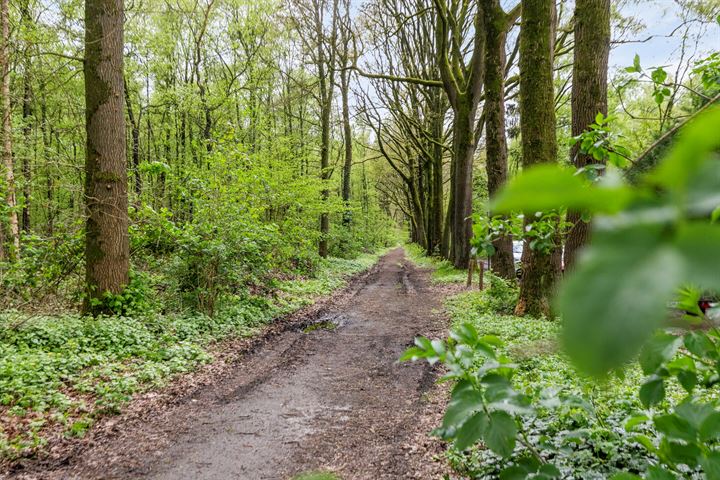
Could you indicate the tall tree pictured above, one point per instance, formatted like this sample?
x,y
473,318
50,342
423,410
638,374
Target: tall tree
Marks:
x,y
344,64
497,23
321,47
589,95
7,147
27,113
537,129
462,77
107,249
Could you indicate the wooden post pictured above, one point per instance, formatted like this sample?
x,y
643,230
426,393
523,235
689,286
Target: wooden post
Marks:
x,y
471,264
481,274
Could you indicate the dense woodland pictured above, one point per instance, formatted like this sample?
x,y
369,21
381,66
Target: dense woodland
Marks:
x,y
188,166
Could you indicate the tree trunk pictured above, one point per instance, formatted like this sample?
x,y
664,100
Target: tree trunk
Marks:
x,y
435,224
462,81
324,168
7,153
135,148
106,237
347,134
463,153
589,95
502,262
27,114
326,80
537,127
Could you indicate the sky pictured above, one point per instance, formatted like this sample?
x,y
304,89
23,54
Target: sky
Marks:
x,y
660,18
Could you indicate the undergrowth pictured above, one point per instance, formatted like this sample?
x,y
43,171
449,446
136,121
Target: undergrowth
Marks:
x,y
67,370
443,270
588,440
585,439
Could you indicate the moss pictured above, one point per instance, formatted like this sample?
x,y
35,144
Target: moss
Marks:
x,y
108,177
317,476
320,326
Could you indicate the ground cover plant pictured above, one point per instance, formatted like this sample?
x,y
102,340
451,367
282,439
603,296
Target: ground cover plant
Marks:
x,y
665,424
68,370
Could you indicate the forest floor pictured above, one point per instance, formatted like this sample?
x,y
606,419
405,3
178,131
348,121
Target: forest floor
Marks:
x,y
322,391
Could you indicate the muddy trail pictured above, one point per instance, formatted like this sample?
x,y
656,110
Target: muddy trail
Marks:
x,y
328,396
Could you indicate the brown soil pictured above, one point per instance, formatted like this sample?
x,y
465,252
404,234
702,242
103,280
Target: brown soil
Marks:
x,y
327,398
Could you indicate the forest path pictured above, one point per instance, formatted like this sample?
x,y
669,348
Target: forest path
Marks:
x,y
329,398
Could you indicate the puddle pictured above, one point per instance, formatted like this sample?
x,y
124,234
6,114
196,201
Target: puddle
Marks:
x,y
327,322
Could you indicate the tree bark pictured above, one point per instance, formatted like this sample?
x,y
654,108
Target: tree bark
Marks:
x,y
537,127
463,84
347,134
27,113
135,147
326,79
464,154
106,237
7,151
496,20
347,130
589,96
435,215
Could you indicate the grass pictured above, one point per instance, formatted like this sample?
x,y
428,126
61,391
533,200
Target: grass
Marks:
x,y
64,371
443,271
317,476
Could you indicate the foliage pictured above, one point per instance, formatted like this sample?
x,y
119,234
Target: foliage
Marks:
x,y
541,233
613,303
709,71
603,144
658,77
67,370
442,270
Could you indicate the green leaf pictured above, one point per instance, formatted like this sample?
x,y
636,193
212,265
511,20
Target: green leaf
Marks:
x,y
652,391
659,75
548,187
675,427
687,379
550,471
658,350
515,472
412,354
704,195
692,149
501,434
659,473
700,344
625,476
522,468
646,442
465,333
465,401
676,452
621,284
636,63
471,431
711,465
634,421
710,428
694,413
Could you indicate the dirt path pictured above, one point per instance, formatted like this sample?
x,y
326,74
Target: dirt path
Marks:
x,y
330,398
